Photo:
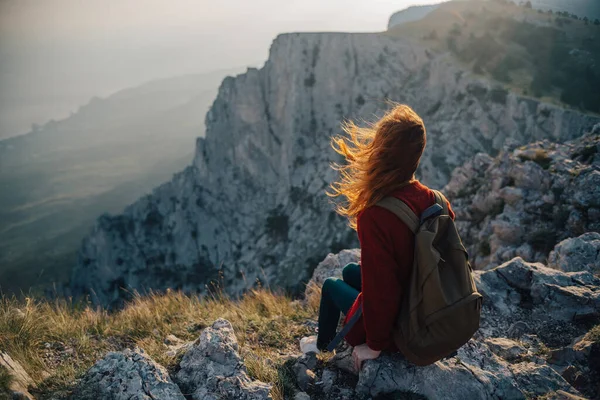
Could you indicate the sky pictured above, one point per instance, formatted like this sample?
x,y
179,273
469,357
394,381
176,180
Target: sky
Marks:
x,y
57,54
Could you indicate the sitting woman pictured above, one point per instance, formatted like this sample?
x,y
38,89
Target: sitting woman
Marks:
x,y
380,161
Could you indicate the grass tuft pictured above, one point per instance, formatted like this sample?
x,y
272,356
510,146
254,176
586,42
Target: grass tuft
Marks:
x,y
57,341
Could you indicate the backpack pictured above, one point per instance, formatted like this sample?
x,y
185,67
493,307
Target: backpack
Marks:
x,y
441,307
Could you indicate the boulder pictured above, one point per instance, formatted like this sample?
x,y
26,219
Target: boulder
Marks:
x,y
127,375
213,369
475,373
542,300
333,264
577,254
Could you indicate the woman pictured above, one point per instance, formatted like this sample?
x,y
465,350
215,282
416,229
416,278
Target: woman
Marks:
x,y
380,161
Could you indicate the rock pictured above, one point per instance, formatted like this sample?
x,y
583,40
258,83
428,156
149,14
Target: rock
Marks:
x,y
333,264
128,374
535,306
573,375
506,348
175,345
562,395
525,201
345,394
172,340
539,379
475,373
577,254
547,299
253,203
303,368
576,353
301,396
213,369
343,361
328,378
20,382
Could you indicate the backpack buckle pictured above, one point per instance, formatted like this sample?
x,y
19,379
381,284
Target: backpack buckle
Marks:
x,y
431,212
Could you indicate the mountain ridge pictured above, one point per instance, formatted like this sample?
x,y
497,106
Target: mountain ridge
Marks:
x,y
252,206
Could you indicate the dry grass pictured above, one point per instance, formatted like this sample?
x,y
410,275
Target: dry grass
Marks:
x,y
594,334
57,341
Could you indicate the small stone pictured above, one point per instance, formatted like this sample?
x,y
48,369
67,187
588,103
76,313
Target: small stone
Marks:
x,y
170,353
506,348
301,396
343,360
172,340
328,378
346,394
518,329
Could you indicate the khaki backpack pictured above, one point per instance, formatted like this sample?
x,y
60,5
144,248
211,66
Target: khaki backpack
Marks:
x,y
441,306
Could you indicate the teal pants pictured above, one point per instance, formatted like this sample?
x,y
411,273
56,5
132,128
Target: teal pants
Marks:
x,y
337,296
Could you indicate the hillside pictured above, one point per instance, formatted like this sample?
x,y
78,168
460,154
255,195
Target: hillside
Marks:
x,y
552,57
252,206
57,179
581,8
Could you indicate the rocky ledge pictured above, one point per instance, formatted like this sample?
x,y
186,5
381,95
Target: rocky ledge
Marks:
x,y
534,342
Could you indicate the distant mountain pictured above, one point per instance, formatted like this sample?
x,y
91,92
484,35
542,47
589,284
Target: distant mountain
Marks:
x,y
410,14
581,8
56,180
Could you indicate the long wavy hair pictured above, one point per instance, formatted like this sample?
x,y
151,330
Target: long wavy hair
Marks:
x,y
379,158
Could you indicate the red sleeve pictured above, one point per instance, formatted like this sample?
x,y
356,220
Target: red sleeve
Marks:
x,y
382,291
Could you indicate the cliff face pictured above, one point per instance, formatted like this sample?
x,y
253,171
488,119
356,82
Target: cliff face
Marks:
x,y
252,206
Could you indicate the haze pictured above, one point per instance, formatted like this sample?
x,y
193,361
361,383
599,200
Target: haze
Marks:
x,y
57,54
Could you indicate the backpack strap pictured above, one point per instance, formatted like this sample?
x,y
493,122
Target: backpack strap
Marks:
x,y
441,200
402,210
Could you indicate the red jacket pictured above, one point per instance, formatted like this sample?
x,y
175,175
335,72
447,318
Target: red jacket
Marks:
x,y
387,253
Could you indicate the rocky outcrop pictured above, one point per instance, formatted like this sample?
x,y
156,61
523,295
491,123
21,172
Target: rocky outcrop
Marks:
x,y
213,369
523,298
528,309
19,380
253,205
526,200
130,374
577,254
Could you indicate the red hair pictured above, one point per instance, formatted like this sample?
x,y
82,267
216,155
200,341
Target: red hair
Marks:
x,y
379,159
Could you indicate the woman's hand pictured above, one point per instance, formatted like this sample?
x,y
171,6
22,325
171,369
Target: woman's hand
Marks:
x,y
362,353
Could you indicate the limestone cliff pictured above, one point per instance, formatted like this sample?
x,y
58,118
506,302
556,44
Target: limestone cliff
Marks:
x,y
252,206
